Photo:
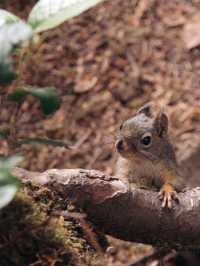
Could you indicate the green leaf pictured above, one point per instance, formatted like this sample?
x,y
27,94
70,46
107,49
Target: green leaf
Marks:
x,y
6,73
4,133
7,193
7,17
8,183
12,34
49,100
48,14
13,31
18,95
18,32
9,162
45,141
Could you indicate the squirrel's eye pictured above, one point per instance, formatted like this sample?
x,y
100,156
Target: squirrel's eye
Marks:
x,y
146,140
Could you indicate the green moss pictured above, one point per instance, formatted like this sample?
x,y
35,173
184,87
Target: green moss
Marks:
x,y
29,234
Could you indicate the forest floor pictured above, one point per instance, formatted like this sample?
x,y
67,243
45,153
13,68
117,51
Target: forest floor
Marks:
x,y
105,64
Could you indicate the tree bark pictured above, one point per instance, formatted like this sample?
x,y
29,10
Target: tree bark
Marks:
x,y
126,213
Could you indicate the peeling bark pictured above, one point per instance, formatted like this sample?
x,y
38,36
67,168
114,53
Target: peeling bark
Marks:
x,y
127,213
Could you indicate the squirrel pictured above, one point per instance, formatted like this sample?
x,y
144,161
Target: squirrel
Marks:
x,y
146,155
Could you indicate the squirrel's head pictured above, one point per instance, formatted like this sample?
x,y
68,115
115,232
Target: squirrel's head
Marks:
x,y
144,135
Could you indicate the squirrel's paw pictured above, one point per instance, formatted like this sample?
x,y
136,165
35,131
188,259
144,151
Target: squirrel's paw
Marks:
x,y
167,194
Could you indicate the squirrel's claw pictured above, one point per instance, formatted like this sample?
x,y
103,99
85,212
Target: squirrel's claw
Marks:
x,y
167,194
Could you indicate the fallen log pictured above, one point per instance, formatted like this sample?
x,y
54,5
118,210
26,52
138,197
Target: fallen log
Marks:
x,y
130,214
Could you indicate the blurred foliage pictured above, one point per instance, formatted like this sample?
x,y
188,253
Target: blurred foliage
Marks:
x,y
45,141
4,133
49,100
14,33
48,14
8,183
6,73
45,15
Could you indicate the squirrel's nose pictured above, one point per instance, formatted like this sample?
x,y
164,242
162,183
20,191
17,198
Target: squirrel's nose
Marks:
x,y
119,144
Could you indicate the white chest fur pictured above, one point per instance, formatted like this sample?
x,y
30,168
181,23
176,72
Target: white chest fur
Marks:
x,y
140,172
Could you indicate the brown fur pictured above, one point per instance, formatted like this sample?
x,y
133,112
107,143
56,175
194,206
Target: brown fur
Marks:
x,y
150,166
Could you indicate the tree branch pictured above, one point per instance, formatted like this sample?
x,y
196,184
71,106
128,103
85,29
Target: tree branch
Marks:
x,y
129,214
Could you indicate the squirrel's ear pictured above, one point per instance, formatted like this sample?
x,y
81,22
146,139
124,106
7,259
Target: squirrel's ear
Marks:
x,y
161,123
146,109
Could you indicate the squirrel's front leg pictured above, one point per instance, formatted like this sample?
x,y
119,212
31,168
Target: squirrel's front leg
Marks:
x,y
167,194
